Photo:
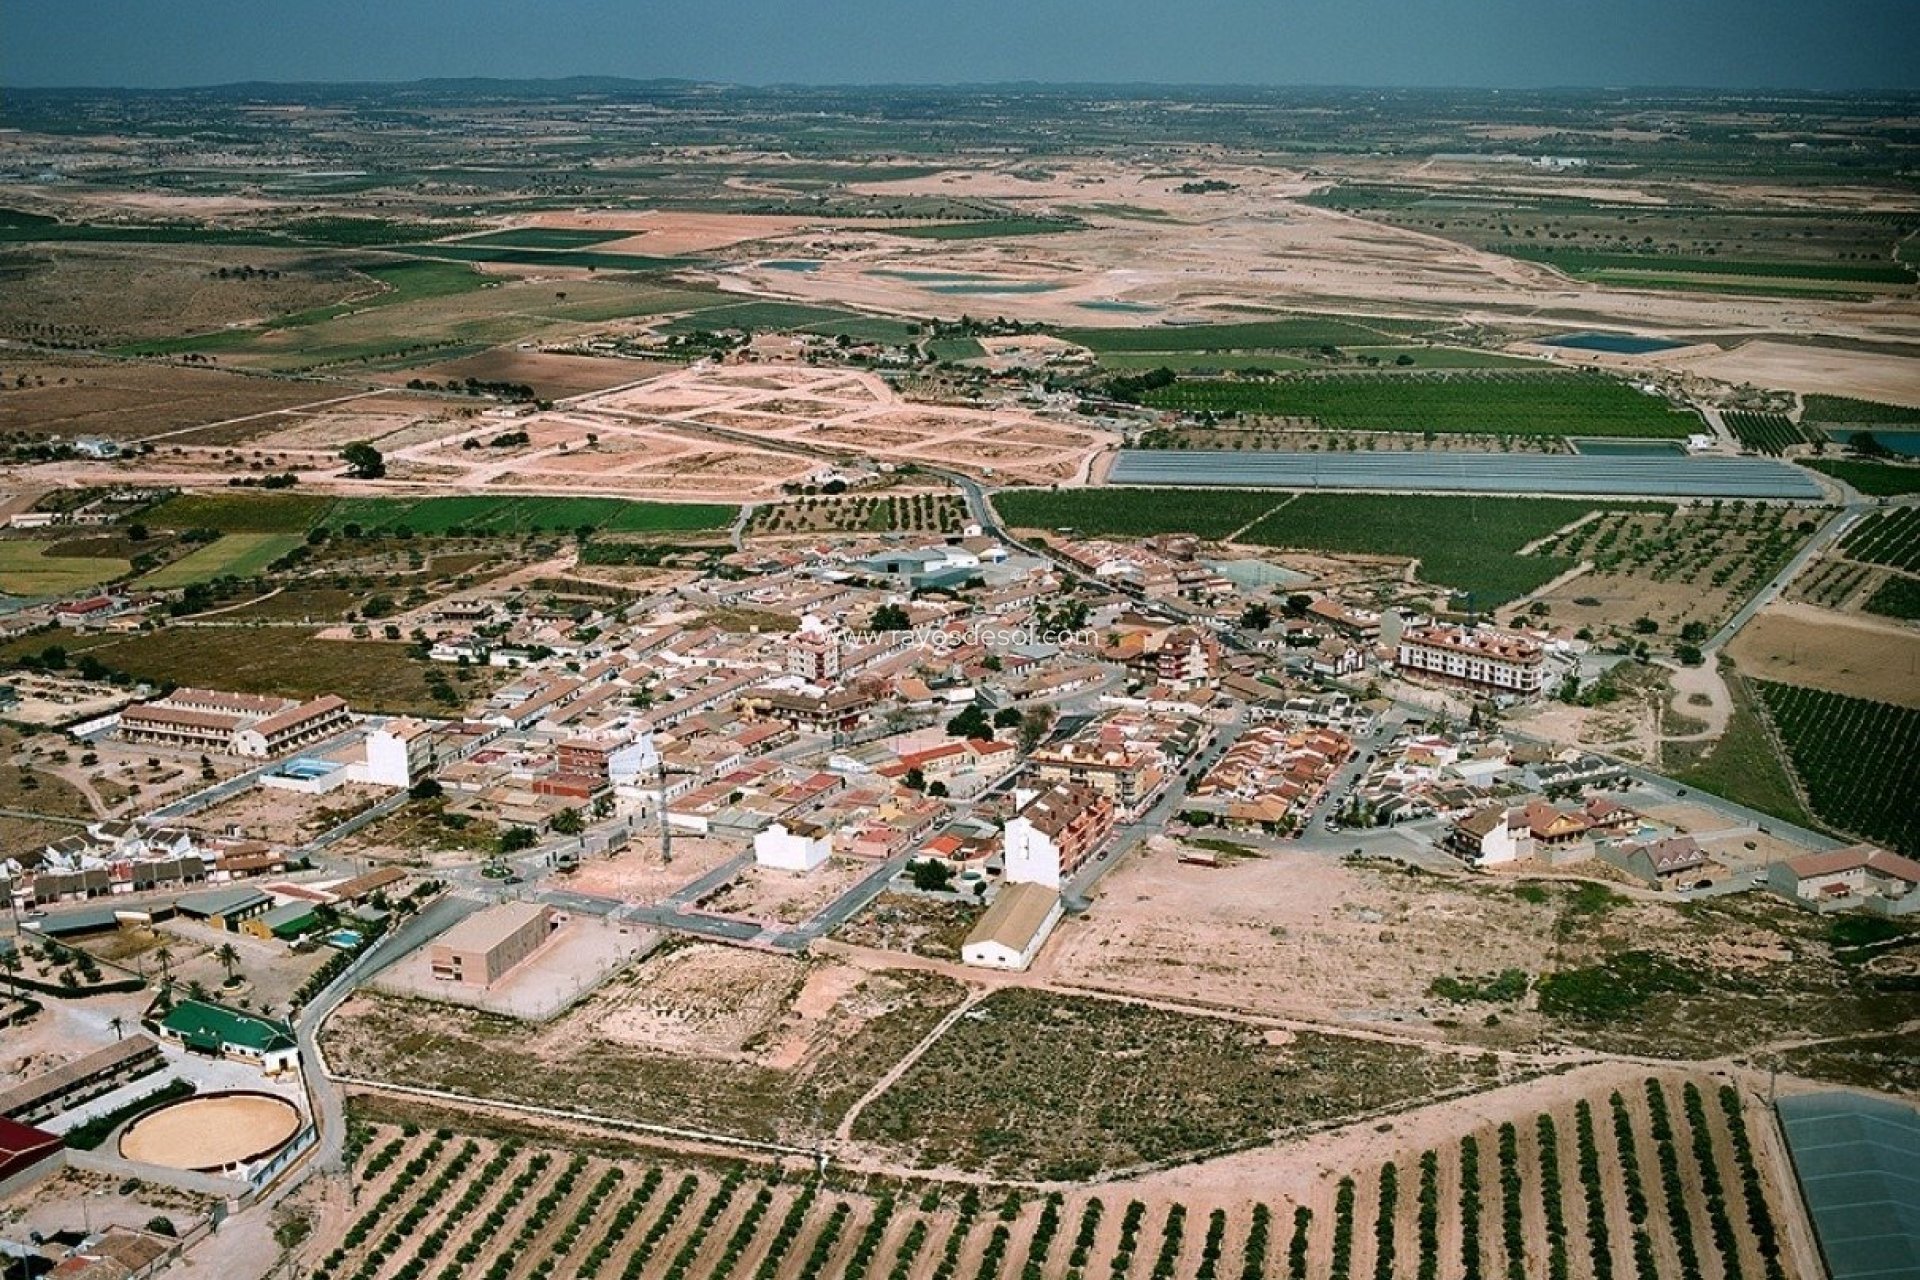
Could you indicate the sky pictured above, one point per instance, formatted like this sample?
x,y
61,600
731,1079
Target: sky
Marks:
x,y
1718,44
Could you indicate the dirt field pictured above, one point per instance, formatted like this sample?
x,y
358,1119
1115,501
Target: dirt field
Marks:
x,y
1814,370
637,874
551,375
211,1132
1842,653
667,233
286,817
128,401
787,896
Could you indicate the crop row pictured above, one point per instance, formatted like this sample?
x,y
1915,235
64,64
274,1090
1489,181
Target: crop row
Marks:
x,y
1858,760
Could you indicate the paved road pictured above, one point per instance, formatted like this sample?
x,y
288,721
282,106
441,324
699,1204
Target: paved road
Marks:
x,y
329,1103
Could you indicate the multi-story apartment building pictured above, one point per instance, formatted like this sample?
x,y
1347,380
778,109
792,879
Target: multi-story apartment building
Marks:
x,y
1484,659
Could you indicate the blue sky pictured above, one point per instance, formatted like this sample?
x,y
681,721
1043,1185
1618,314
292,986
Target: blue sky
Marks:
x,y
1845,44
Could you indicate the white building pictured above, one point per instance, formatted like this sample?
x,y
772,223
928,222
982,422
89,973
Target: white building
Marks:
x,y
792,846
399,753
1014,928
1482,658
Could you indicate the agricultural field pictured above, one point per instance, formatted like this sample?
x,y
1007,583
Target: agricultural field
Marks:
x,y
65,397
789,317
231,555
1769,433
938,513
1687,568
1895,598
984,229
1657,1175
1875,479
1858,760
1472,544
1038,1085
504,515
1517,404
1845,411
1742,765
28,569
543,238
1134,513
1886,537
1297,333
371,675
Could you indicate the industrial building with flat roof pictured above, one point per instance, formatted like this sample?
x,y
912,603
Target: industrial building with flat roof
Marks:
x,y
482,948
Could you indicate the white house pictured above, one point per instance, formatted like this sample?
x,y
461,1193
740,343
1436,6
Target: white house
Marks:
x,y
1493,835
1014,928
399,753
792,846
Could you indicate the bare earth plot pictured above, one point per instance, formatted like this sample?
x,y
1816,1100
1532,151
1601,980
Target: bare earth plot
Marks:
x,y
1843,653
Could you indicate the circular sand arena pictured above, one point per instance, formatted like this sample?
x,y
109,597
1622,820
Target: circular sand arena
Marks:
x,y
212,1132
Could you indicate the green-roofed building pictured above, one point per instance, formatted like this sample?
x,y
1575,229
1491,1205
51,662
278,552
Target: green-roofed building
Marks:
x,y
205,1027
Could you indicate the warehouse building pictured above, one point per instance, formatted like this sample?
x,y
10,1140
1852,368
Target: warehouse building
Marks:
x,y
481,949
1014,928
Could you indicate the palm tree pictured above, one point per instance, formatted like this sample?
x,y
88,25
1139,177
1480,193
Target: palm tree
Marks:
x,y
10,961
118,1024
228,958
163,956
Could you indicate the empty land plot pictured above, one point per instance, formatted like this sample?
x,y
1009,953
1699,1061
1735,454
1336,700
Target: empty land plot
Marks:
x,y
1498,404
1038,1084
1841,653
1473,544
291,661
27,570
1742,764
239,555
553,376
122,400
772,1069
1858,760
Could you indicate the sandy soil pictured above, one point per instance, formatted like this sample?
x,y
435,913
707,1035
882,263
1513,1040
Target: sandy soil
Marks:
x,y
1843,653
205,1133
787,896
1818,370
636,872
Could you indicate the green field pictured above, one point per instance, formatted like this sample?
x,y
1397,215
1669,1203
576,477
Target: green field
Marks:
x,y
1768,433
1489,404
468,251
289,661
1585,262
956,349
295,513
1887,537
986,228
26,570
1896,598
1875,479
1258,335
517,515
1468,543
239,555
1844,409
1741,765
1204,361
1858,760
541,238
241,512
1135,513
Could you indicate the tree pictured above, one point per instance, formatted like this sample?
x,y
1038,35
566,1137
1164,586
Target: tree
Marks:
x,y
1256,618
1694,632
364,462
972,722
568,822
163,956
916,779
931,875
1645,626
514,839
426,789
1034,725
891,617
162,1226
1297,605
602,807
117,1025
228,956
1006,718
937,789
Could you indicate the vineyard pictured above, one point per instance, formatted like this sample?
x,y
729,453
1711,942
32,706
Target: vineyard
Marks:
x,y
1654,1179
1483,403
1887,537
1769,433
1896,598
933,513
1875,479
1859,761
1134,513
1472,544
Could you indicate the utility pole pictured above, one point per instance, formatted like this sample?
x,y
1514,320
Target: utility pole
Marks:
x,y
666,829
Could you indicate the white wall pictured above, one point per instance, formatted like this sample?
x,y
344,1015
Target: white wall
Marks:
x,y
782,850
1032,857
